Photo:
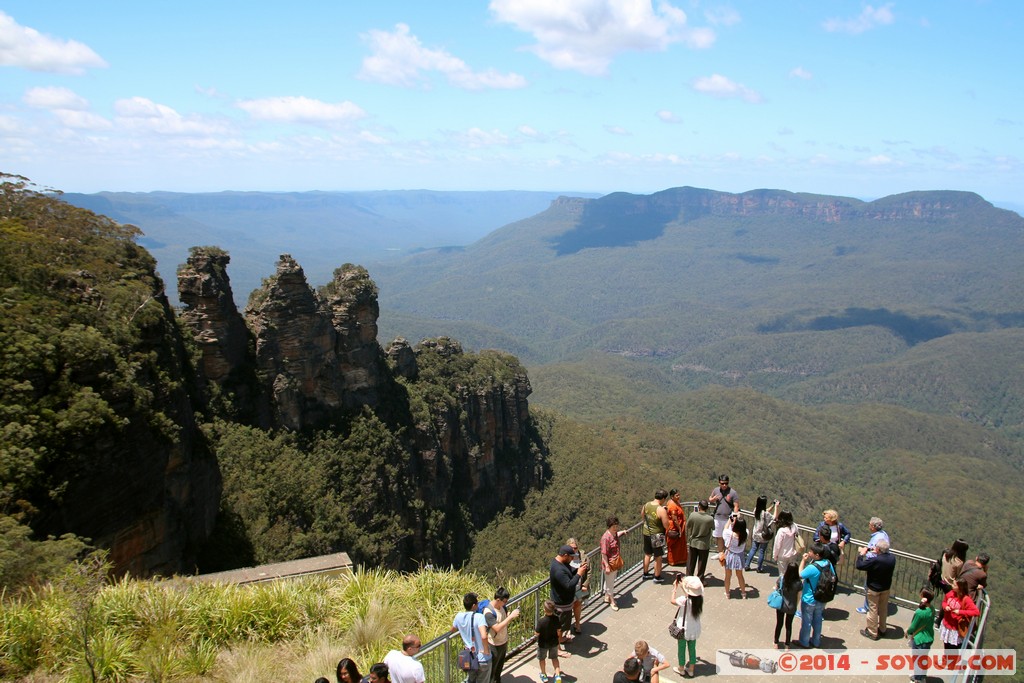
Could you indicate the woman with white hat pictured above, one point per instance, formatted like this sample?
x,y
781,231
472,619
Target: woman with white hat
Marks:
x,y
688,596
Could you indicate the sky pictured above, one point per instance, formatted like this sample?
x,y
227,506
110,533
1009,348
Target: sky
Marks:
x,y
824,96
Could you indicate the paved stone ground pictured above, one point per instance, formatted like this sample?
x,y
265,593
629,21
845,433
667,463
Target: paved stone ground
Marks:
x,y
736,624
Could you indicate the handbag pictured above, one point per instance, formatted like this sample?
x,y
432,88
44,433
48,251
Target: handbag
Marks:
x,y
657,540
673,533
798,543
775,599
468,660
616,563
675,629
961,627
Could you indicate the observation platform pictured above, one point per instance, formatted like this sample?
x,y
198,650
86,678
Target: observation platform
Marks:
x,y
728,625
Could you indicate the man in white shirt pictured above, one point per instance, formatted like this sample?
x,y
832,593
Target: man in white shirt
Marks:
x,y
401,665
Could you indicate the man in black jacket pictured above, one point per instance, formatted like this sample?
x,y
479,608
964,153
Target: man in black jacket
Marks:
x,y
879,567
563,587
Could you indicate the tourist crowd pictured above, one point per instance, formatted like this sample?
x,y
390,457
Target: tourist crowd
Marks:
x,y
806,583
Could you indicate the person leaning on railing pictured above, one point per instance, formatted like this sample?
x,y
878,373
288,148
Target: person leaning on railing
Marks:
x,y
957,611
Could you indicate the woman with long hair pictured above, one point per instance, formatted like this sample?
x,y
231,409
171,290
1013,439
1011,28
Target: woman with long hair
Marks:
x,y
348,672
784,551
790,585
735,538
764,529
675,535
952,562
688,597
957,611
922,631
611,559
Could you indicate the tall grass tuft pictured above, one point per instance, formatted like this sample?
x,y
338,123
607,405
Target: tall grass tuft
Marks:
x,y
180,631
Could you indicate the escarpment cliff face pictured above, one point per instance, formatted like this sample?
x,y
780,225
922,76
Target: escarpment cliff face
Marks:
x,y
98,434
478,448
466,449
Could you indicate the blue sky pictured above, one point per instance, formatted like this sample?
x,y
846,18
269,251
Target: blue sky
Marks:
x,y
822,96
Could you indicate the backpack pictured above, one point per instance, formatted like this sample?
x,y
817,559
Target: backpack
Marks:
x,y
935,573
482,605
826,588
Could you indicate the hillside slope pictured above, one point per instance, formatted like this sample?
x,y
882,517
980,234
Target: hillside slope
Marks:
x,y
667,273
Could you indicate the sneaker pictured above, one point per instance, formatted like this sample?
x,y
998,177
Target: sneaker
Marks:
x,y
558,678
862,610
615,608
543,678
679,670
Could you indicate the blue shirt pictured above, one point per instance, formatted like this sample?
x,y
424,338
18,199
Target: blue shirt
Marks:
x,y
810,574
467,624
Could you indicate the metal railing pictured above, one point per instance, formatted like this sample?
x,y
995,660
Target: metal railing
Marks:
x,y
439,656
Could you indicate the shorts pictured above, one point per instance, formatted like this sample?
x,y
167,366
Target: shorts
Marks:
x,y
650,549
720,523
547,652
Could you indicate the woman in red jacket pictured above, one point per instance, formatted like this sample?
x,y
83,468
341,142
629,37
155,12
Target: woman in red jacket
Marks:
x,y
957,611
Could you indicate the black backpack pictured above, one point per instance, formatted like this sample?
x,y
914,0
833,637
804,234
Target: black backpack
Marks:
x,y
826,588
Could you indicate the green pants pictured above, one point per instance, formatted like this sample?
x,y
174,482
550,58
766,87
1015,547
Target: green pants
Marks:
x,y
683,646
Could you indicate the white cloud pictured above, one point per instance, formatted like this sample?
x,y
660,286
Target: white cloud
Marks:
x,y
879,160
477,138
801,73
668,117
398,58
82,120
722,16
373,139
301,110
144,115
585,35
868,19
723,88
55,97
9,126
617,130
29,49
71,109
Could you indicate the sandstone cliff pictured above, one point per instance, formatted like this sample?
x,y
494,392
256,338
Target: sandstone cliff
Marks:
x,y
469,449
99,436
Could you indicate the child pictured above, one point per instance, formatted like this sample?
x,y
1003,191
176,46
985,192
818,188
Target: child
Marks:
x,y
548,636
922,630
651,661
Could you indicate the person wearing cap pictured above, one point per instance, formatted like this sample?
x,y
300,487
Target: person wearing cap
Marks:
x,y
564,582
726,502
688,597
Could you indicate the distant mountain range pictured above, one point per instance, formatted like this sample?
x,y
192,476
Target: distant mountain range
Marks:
x,y
322,230
768,289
